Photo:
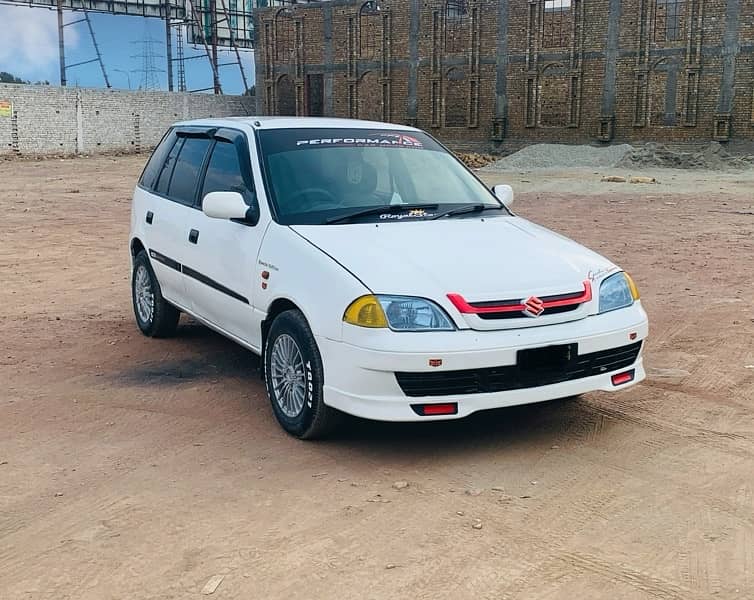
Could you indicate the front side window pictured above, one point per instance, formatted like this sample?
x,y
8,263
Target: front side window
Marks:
x,y
185,179
317,176
224,171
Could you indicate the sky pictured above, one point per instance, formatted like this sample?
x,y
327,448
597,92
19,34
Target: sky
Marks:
x,y
29,50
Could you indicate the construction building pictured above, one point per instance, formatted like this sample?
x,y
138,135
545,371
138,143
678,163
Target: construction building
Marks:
x,y
482,71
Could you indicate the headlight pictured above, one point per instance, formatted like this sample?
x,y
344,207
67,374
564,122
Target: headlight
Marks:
x,y
617,291
400,313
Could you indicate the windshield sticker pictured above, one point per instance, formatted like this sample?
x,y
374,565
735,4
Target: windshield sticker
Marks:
x,y
415,213
377,139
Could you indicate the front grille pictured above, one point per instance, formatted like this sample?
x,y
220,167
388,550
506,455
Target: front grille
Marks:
x,y
520,315
513,377
486,304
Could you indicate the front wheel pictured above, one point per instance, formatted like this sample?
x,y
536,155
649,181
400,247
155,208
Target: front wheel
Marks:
x,y
294,377
155,316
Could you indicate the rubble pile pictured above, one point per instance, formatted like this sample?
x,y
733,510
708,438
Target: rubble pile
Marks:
x,y
476,161
712,157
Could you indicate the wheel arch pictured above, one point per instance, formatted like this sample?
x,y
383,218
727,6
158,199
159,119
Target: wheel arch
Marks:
x,y
278,306
136,247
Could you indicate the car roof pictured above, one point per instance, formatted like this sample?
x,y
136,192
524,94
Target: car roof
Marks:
x,y
261,123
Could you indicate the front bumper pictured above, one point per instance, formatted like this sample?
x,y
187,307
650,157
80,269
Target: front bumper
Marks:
x,y
360,370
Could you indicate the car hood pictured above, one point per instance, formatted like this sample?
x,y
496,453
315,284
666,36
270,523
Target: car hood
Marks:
x,y
482,259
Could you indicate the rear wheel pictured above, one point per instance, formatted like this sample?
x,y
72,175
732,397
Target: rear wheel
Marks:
x,y
155,316
294,377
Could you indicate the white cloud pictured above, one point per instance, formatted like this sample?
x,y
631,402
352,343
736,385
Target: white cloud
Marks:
x,y
29,41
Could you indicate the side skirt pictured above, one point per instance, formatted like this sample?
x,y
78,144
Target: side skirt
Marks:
x,y
241,342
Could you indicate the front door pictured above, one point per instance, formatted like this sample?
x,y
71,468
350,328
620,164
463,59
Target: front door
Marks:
x,y
220,266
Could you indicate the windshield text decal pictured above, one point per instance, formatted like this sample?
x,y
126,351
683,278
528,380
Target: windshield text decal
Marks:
x,y
382,139
416,213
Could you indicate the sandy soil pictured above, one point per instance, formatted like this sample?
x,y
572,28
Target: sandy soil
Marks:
x,y
135,468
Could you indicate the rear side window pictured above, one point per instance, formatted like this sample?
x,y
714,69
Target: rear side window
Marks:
x,y
185,179
154,165
224,171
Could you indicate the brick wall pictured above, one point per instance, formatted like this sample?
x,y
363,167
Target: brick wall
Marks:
x,y
483,71
56,120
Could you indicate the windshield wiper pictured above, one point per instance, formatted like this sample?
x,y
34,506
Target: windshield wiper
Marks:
x,y
469,208
376,210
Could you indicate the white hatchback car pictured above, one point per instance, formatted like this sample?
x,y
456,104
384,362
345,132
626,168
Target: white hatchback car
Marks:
x,y
374,273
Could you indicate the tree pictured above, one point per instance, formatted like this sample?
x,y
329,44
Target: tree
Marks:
x,y
10,78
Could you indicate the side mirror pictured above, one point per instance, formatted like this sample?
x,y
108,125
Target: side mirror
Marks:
x,y
226,205
504,193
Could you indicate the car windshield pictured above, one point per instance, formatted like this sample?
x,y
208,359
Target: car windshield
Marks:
x,y
327,176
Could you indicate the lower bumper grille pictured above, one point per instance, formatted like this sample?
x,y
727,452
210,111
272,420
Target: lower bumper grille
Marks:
x,y
514,377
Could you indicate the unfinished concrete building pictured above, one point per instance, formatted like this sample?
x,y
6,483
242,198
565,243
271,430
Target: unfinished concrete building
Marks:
x,y
481,71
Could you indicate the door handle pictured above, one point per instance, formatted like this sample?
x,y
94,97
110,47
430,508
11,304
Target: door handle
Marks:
x,y
150,217
193,236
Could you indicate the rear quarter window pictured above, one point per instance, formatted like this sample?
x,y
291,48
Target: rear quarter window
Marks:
x,y
154,165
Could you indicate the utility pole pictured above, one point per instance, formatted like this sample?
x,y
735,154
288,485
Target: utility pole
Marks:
x,y
169,45
61,43
127,74
213,26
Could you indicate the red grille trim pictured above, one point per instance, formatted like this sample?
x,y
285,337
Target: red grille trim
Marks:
x,y
505,305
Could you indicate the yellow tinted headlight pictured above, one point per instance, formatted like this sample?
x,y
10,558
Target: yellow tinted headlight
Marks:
x,y
365,312
632,286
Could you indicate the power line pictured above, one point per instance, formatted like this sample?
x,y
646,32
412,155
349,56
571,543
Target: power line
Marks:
x,y
149,79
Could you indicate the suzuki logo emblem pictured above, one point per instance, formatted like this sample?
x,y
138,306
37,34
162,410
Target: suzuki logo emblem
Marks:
x,y
533,306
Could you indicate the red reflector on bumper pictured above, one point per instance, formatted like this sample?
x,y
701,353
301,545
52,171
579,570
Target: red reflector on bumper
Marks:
x,y
622,378
428,410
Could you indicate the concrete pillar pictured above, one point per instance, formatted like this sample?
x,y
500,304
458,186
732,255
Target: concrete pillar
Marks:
x,y
501,74
79,124
329,66
730,51
724,117
612,47
412,108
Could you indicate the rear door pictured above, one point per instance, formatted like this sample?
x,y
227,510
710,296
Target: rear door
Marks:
x,y
222,261
159,220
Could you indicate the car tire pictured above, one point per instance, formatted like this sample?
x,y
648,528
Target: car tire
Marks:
x,y
294,378
155,316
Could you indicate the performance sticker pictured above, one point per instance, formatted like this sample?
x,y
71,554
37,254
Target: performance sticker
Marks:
x,y
378,139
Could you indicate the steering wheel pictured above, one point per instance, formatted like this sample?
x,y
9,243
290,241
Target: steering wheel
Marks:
x,y
325,196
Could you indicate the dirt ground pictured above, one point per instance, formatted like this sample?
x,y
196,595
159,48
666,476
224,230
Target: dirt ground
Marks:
x,y
136,468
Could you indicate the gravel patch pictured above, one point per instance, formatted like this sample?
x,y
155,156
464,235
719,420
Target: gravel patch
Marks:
x,y
559,156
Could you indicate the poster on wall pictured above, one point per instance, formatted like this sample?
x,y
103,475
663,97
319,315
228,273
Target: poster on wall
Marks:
x,y
6,108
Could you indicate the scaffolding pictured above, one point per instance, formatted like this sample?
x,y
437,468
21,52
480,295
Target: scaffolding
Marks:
x,y
206,24
61,47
